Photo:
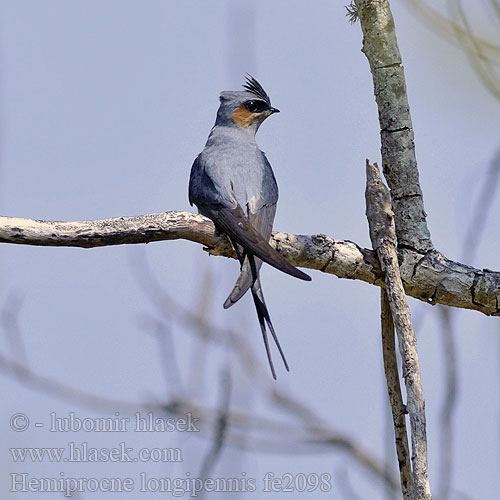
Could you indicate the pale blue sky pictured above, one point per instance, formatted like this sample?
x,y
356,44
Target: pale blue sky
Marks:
x,y
104,106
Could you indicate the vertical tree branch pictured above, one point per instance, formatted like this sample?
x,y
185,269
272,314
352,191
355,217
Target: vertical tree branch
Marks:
x,y
382,235
395,397
398,150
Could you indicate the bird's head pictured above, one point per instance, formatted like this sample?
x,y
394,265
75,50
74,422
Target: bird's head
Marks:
x,y
246,109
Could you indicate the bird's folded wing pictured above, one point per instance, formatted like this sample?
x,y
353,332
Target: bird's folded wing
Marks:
x,y
234,222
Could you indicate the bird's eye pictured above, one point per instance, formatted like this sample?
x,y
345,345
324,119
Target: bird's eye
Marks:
x,y
255,106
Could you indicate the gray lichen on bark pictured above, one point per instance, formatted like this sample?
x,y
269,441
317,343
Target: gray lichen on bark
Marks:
x,y
398,149
431,278
380,218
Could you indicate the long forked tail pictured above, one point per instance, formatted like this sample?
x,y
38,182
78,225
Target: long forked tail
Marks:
x,y
250,267
249,278
263,315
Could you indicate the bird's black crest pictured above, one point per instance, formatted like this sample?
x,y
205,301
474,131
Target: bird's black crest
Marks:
x,y
255,88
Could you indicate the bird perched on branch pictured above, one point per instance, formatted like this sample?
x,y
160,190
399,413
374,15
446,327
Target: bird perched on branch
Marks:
x,y
233,184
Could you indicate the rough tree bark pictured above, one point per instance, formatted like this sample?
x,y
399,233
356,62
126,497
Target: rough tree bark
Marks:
x,y
405,205
423,271
398,149
383,237
431,278
395,397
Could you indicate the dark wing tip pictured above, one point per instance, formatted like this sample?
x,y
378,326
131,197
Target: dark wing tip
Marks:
x,y
255,88
306,277
234,222
301,275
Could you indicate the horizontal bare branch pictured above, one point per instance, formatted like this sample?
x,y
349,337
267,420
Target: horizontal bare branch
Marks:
x,y
430,276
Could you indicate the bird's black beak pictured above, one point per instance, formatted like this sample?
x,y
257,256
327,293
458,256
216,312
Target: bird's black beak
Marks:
x,y
274,110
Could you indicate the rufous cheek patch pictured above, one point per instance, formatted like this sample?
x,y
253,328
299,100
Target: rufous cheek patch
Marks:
x,y
244,118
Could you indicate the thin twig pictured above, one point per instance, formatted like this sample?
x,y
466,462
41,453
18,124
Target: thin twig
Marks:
x,y
162,331
481,210
383,237
9,318
449,404
221,429
274,436
484,55
313,426
344,486
395,397
277,436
